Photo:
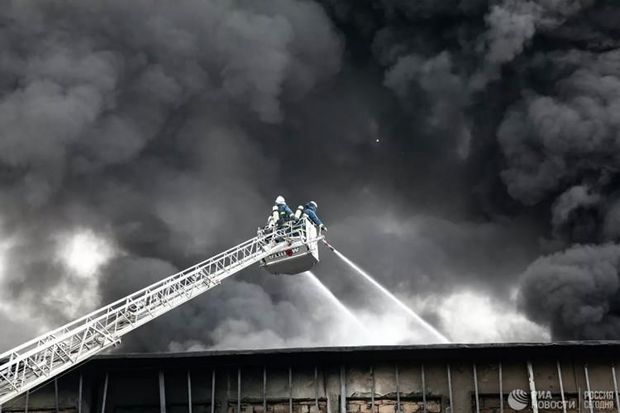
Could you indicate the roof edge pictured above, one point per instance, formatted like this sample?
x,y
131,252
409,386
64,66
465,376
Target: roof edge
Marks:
x,y
356,349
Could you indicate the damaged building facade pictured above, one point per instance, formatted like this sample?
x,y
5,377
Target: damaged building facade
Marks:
x,y
556,377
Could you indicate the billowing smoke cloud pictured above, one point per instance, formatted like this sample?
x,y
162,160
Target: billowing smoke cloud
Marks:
x,y
453,146
563,145
512,24
568,135
576,292
133,122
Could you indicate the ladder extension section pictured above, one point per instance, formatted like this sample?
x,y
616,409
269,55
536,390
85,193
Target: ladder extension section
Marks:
x,y
33,363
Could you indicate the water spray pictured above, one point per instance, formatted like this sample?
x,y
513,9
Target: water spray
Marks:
x,y
329,245
391,296
335,300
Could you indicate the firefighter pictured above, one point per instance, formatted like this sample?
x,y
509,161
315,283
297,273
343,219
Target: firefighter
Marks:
x,y
281,213
310,210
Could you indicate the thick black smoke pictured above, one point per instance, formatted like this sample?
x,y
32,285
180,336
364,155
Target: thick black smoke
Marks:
x,y
449,144
576,291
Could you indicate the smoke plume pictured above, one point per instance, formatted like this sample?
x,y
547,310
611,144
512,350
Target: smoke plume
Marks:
x,y
462,150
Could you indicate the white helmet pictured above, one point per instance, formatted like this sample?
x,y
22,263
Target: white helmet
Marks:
x,y
314,204
280,200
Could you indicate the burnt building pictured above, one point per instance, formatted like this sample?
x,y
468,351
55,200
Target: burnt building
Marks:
x,y
571,377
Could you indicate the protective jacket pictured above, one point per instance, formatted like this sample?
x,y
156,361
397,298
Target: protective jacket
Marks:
x,y
310,211
284,212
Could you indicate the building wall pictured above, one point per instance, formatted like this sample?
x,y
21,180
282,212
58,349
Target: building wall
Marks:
x,y
455,379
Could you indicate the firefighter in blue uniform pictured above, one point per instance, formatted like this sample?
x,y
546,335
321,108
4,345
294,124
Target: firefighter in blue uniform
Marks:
x,y
281,213
310,210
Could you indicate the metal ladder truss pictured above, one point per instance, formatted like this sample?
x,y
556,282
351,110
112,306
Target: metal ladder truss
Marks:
x,y
33,363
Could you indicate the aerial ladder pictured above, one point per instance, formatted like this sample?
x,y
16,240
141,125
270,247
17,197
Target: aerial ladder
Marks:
x,y
289,249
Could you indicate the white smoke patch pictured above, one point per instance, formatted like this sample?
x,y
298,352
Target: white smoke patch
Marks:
x,y
83,252
474,317
389,327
